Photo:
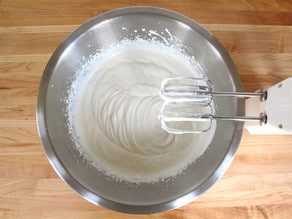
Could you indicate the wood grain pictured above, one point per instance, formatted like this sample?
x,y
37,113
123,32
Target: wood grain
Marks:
x,y
258,36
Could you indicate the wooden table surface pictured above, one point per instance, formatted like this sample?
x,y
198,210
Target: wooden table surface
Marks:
x,y
258,35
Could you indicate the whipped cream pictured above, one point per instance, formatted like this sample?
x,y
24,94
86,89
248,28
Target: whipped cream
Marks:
x,y
116,113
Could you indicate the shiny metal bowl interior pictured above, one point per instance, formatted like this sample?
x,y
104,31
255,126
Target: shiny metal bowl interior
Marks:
x,y
94,186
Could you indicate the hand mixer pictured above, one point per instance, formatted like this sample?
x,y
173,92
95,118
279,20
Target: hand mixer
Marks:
x,y
188,108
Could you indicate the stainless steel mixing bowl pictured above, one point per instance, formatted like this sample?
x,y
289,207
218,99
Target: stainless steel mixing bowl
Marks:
x,y
93,185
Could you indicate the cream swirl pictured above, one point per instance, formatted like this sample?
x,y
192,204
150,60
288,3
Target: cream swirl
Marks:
x,y
116,118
